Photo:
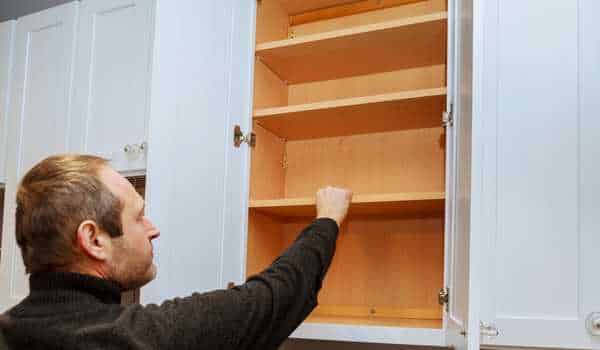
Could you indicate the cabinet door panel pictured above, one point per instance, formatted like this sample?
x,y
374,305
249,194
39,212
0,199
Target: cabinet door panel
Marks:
x,y
113,67
39,118
200,89
542,172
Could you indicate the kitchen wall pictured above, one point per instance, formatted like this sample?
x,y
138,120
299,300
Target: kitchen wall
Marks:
x,y
12,9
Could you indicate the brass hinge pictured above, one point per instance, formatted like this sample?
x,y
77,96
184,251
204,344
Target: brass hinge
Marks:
x,y
444,297
448,117
488,330
239,137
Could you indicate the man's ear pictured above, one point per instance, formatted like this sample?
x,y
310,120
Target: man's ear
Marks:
x,y
92,241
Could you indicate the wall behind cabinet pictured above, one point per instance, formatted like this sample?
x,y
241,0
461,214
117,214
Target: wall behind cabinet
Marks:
x,y
12,9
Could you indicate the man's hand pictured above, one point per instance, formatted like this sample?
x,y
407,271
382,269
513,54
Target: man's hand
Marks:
x,y
333,203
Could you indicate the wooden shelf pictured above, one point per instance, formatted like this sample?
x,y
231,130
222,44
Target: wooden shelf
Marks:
x,y
359,115
377,321
380,316
381,47
425,204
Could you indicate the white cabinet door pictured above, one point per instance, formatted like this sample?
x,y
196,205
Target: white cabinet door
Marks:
x,y
201,87
7,40
112,80
542,174
38,119
460,261
238,159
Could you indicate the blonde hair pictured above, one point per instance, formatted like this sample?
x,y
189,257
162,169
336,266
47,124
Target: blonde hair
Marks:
x,y
53,199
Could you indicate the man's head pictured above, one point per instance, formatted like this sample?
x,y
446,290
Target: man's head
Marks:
x,y
75,213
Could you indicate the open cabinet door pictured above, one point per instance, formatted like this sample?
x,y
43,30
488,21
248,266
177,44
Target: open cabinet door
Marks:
x,y
461,327
200,90
238,158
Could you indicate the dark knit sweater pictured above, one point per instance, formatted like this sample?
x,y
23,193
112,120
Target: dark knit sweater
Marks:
x,y
71,311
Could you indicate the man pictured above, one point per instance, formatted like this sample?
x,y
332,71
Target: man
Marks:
x,y
84,239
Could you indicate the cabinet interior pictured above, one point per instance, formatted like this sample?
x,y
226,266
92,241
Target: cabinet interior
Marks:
x,y
351,93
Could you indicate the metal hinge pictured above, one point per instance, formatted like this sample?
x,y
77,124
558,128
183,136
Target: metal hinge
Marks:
x,y
239,137
488,330
448,117
444,297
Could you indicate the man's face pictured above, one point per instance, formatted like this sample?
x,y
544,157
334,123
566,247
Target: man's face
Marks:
x,y
131,258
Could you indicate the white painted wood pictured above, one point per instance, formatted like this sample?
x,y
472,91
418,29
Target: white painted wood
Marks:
x,y
7,41
541,172
589,164
238,159
452,325
370,334
111,100
194,92
460,256
39,118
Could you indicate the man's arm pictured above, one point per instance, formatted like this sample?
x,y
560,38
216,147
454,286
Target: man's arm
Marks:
x,y
264,311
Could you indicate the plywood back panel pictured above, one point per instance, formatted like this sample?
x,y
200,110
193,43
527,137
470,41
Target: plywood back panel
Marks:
x,y
267,174
367,85
387,267
269,90
265,242
346,10
272,21
391,162
294,7
388,14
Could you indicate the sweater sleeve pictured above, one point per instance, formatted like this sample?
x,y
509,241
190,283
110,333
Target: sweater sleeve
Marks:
x,y
261,313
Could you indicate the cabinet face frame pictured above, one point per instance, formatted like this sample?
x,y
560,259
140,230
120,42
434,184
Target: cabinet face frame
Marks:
x,y
435,337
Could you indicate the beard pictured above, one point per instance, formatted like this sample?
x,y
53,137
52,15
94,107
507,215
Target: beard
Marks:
x,y
132,270
131,281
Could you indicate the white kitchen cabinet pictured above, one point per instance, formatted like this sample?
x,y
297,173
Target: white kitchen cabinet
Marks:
x,y
226,210
7,40
39,118
111,96
541,96
515,235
